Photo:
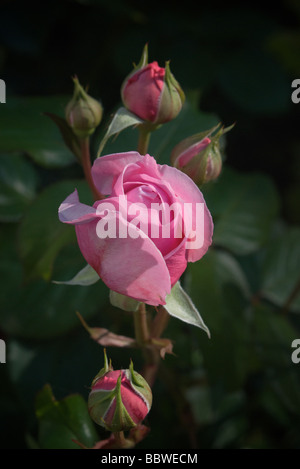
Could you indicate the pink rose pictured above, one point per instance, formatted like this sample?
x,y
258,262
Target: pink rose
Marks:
x,y
152,93
140,238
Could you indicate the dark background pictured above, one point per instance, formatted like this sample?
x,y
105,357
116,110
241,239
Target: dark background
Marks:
x,y
237,61
240,58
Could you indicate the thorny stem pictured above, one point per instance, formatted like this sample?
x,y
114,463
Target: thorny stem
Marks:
x,y
159,322
144,336
86,164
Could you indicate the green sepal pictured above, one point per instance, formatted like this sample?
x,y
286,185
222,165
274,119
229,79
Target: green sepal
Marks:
x,y
179,305
171,99
143,60
106,368
121,420
171,82
140,385
123,302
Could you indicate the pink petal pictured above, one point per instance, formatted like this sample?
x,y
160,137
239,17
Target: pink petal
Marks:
x,y
186,189
74,212
176,262
107,169
134,404
140,173
132,267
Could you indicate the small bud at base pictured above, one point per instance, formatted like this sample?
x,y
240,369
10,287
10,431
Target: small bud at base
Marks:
x,y
119,400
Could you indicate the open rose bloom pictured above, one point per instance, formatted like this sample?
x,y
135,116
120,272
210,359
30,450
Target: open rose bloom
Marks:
x,y
140,238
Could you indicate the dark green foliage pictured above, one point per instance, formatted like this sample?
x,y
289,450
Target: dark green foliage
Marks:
x,y
239,389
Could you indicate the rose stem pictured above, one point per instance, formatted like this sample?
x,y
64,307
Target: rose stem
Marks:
x,y
158,325
120,439
141,326
143,338
86,164
160,322
144,138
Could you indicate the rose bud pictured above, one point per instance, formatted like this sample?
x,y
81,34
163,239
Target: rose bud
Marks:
x,y
119,399
151,92
199,156
83,113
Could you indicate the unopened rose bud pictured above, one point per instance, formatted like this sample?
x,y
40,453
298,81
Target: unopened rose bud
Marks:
x,y
199,156
83,113
151,92
119,399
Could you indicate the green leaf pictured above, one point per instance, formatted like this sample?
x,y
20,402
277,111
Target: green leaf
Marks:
x,y
244,207
62,422
41,234
179,305
188,122
123,302
280,271
23,127
121,120
85,277
18,183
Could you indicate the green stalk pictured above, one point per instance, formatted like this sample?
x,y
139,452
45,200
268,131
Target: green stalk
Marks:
x,y
144,139
141,325
120,439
